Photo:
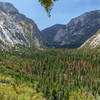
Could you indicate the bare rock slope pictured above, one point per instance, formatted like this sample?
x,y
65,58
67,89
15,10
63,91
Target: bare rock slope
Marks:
x,y
75,33
15,28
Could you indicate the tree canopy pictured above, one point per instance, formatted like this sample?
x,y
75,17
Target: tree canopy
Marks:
x,y
47,4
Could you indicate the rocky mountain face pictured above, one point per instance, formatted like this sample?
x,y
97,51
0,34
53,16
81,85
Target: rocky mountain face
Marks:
x,y
75,33
92,42
15,28
48,34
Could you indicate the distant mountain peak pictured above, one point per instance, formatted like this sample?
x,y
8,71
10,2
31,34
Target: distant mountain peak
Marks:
x,y
75,33
8,8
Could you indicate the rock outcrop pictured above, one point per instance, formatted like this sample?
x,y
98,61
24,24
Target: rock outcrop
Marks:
x,y
75,33
15,28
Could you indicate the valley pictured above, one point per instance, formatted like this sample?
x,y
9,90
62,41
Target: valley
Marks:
x,y
59,74
61,62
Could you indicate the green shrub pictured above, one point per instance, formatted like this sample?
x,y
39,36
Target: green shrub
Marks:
x,y
81,95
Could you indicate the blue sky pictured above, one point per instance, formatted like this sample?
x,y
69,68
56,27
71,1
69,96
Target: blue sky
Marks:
x,y
62,12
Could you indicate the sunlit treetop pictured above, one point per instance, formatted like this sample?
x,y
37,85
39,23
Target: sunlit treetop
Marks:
x,y
47,4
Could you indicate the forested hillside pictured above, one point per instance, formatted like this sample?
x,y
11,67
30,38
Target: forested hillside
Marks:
x,y
50,74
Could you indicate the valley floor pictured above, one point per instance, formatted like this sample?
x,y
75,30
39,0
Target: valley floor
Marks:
x,y
50,74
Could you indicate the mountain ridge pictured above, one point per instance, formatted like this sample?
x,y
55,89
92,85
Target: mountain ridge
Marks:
x,y
16,28
77,31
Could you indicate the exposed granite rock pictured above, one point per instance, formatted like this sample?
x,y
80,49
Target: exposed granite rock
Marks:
x,y
92,42
15,28
75,33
